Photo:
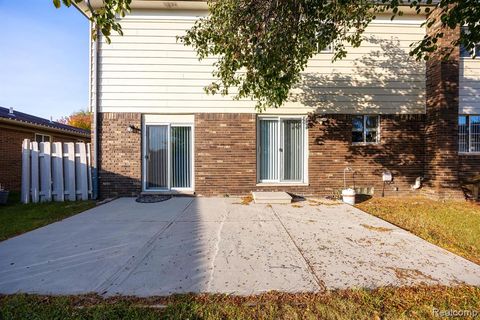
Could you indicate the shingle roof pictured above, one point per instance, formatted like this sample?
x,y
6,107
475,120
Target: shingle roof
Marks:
x,y
29,119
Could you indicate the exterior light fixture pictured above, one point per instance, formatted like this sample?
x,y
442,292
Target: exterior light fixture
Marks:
x,y
131,128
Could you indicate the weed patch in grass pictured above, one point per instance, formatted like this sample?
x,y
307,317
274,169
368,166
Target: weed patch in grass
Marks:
x,y
379,229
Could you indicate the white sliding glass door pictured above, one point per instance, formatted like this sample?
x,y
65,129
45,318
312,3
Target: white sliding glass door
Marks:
x,y
156,157
292,135
281,150
269,146
181,157
168,157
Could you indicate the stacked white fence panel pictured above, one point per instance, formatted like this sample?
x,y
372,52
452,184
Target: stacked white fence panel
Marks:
x,y
56,171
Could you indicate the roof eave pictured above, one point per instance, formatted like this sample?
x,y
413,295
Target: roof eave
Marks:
x,y
146,4
43,127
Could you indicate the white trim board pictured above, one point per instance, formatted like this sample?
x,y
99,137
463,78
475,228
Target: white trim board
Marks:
x,y
169,118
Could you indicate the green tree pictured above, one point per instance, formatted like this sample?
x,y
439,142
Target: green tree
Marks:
x,y
104,18
263,45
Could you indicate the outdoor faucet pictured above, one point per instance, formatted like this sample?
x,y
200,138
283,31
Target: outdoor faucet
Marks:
x,y
347,169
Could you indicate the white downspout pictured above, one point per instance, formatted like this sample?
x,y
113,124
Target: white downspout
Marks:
x,y
94,106
93,94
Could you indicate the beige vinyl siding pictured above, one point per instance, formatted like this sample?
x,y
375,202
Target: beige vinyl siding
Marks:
x,y
147,70
469,86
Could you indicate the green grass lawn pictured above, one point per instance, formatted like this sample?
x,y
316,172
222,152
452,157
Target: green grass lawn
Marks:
x,y
17,218
453,225
385,303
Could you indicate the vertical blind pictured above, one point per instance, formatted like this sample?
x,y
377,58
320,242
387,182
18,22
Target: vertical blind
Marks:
x,y
269,146
157,157
181,157
281,150
160,167
292,150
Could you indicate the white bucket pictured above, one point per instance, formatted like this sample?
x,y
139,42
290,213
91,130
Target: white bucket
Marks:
x,y
348,196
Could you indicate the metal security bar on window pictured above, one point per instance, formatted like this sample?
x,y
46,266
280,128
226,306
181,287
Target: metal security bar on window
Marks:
x,y
469,133
463,134
474,133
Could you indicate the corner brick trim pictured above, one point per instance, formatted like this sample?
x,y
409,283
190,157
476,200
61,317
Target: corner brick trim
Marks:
x,y
120,154
442,103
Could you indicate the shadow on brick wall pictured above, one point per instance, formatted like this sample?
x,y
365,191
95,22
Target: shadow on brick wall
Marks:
x,y
386,78
112,184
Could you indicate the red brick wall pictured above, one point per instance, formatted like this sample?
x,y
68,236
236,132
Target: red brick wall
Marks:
x,y
225,148
119,161
442,84
469,166
11,140
11,158
400,151
225,153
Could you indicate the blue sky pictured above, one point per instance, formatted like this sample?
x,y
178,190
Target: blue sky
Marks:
x,y
43,58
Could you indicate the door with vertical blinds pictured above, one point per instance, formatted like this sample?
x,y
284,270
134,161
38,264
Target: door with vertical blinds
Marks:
x,y
168,157
281,150
181,157
157,157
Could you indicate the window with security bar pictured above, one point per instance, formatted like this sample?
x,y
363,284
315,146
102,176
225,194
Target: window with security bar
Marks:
x,y
469,133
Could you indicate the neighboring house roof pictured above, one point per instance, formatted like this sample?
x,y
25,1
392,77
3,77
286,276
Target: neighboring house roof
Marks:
x,y
25,118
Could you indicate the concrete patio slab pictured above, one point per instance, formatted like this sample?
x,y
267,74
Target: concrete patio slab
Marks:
x,y
240,249
219,245
349,248
79,254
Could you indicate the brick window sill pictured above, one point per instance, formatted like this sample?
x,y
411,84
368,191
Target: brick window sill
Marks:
x,y
469,153
365,144
280,184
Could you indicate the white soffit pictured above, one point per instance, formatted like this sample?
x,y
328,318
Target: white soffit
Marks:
x,y
154,4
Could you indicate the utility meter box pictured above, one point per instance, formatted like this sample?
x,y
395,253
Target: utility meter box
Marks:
x,y
387,176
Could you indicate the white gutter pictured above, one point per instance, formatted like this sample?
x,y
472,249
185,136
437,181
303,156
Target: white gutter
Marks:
x,y
84,8
149,4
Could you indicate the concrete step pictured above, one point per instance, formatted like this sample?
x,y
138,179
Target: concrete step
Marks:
x,y
271,197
